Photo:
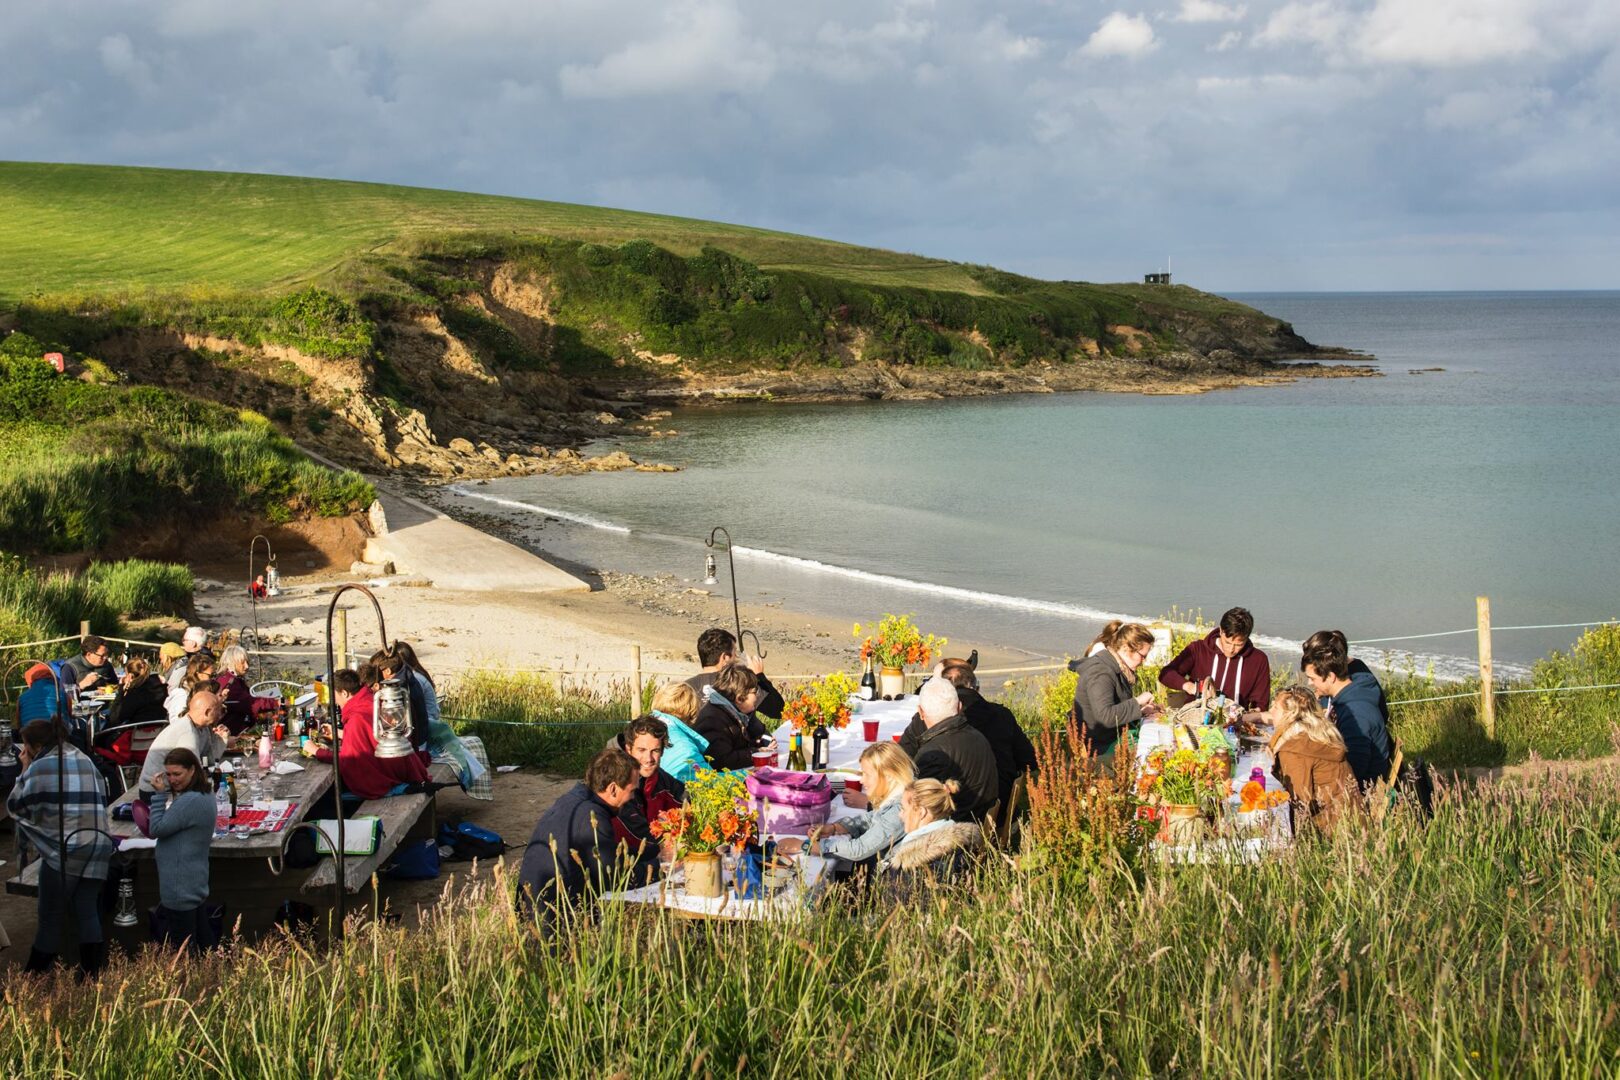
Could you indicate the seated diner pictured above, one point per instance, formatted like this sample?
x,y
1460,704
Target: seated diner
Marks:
x,y
1226,661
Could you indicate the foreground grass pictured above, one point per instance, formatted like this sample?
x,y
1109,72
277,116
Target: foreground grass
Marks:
x,y
1481,944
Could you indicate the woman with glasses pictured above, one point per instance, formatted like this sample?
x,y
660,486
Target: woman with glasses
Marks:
x,y
1103,699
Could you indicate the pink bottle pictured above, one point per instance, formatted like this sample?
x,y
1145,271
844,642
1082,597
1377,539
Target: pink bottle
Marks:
x,y
267,757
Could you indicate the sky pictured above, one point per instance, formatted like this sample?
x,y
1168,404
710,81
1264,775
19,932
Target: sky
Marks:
x,y
1296,145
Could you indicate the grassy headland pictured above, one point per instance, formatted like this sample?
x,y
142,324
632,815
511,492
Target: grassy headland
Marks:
x,y
386,323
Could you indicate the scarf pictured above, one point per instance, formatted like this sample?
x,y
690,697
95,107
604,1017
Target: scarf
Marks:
x,y
715,697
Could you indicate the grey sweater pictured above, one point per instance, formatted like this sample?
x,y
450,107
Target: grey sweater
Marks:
x,y
183,826
181,732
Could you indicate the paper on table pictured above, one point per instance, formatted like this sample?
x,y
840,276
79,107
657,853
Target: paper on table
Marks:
x,y
136,843
287,768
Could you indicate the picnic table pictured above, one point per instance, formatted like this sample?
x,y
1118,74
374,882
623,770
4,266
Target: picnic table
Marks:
x,y
1278,828
809,877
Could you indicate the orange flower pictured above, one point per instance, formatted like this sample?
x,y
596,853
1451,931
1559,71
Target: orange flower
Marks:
x,y
708,835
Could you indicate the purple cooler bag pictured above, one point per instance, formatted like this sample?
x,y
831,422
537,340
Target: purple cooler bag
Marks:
x,y
789,802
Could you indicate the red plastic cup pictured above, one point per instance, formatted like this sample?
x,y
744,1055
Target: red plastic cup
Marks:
x,y
870,728
851,785
764,759
896,738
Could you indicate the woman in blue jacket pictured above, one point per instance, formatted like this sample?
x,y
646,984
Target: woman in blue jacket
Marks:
x,y
677,706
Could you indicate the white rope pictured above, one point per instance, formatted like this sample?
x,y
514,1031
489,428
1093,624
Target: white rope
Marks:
x,y
1502,693
1475,629
47,641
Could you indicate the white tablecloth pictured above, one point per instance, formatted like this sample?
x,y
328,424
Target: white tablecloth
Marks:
x,y
845,746
1280,833
785,903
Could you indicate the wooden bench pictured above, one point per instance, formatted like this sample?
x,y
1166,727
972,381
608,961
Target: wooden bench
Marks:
x,y
402,817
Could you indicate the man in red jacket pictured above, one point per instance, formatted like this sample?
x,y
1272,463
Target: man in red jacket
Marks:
x,y
364,774
1227,660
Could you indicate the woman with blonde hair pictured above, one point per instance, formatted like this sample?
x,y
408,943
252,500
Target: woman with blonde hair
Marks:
x,y
885,775
199,672
676,704
1103,703
935,850
1311,760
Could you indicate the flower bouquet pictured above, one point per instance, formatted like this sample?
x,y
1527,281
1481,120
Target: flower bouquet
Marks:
x,y
822,702
715,814
898,643
1188,784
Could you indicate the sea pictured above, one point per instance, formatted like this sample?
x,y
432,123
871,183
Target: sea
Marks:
x,y
1483,462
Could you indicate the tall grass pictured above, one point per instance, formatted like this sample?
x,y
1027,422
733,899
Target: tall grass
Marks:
x,y
37,607
1481,944
140,588
527,718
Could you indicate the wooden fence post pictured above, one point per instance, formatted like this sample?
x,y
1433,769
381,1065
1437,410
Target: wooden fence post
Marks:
x,y
343,638
1487,686
84,628
635,681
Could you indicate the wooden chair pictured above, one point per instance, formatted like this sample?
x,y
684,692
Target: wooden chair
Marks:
x,y
1382,797
1017,800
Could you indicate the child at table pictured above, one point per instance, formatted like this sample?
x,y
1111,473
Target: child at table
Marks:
x,y
885,772
182,823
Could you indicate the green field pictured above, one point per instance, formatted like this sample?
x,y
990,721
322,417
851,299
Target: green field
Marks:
x,y
96,228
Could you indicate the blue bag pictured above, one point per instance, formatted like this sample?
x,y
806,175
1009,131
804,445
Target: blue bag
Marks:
x,y
464,840
415,860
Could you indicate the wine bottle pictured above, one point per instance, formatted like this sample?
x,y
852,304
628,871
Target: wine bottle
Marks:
x,y
820,749
868,690
230,782
796,753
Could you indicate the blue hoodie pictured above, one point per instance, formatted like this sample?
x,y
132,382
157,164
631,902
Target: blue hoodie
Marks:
x,y
1362,715
683,757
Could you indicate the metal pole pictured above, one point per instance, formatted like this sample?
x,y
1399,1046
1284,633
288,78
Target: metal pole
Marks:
x,y
635,681
1487,688
337,723
731,566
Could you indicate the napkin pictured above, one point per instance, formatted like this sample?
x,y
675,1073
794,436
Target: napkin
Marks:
x,y
286,768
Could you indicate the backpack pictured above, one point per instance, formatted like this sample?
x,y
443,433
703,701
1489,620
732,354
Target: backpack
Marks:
x,y
414,860
464,840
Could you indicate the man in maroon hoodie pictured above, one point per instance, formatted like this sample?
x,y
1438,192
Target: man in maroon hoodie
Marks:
x,y
1227,660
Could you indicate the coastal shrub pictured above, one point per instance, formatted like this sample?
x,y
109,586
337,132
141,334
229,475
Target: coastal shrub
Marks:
x,y
37,607
320,323
139,588
1477,943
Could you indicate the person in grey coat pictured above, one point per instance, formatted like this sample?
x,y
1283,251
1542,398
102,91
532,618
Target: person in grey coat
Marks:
x,y
182,823
199,730
1103,702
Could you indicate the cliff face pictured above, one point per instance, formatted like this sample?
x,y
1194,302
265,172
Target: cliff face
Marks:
x,y
482,360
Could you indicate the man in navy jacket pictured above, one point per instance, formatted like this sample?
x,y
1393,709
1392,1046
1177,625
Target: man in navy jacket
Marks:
x,y
573,852
1355,701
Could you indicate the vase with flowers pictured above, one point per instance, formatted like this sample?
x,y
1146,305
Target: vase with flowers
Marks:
x,y
896,645
715,816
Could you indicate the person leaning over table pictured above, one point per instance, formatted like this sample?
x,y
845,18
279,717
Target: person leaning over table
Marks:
x,y
92,668
59,797
724,718
573,852
951,749
366,776
242,707
935,851
141,695
200,729
1311,760
717,649
1227,659
676,704
1103,703
1355,702
182,823
885,774
654,792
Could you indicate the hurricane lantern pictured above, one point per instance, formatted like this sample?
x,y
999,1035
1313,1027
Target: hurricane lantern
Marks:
x,y
391,719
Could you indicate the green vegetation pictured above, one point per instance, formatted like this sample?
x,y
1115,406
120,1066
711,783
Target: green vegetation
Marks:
x,y
86,460
35,606
1481,943
525,718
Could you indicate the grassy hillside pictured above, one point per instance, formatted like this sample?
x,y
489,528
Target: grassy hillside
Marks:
x,y
97,228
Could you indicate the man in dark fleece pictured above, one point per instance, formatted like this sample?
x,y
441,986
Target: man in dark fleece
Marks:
x,y
574,852
1355,701
1228,660
1015,754
950,749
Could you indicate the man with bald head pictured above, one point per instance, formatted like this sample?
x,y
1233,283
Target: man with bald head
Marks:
x,y
200,729
949,749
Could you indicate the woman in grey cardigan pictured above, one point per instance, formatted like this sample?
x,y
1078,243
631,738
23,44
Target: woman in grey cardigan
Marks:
x,y
1103,703
182,823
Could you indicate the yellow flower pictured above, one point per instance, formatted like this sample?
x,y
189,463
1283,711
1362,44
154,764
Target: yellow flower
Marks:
x,y
857,632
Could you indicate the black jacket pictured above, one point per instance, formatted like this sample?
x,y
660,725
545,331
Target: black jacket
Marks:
x,y
952,750
580,826
771,702
730,745
140,704
1015,754
1103,701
